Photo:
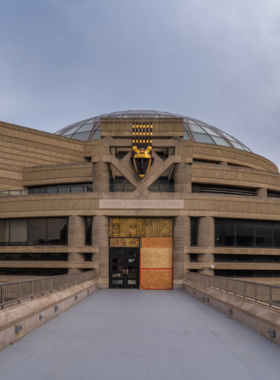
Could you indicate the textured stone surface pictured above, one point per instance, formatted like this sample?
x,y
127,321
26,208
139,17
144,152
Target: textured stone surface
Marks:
x,y
183,178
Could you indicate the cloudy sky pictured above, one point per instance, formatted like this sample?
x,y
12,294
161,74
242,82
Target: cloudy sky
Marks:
x,y
214,60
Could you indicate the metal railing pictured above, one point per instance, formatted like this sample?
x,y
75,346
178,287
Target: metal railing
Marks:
x,y
253,291
12,292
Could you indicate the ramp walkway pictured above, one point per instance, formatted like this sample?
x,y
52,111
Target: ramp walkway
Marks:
x,y
139,335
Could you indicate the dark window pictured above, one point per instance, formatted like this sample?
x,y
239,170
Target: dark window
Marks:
x,y
225,232
34,256
88,224
243,258
246,233
247,273
264,234
120,184
37,231
88,256
32,271
73,188
194,232
162,185
193,257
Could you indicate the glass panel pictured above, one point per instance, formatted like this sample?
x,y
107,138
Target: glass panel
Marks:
x,y
128,187
116,186
18,231
203,138
72,130
264,234
166,186
57,231
194,232
220,141
37,231
88,225
132,254
225,232
97,135
131,261
117,261
229,137
76,189
236,145
85,128
244,233
117,282
131,268
51,190
131,282
276,235
117,268
208,130
4,232
154,187
185,137
81,136
118,253
63,189
120,275
196,128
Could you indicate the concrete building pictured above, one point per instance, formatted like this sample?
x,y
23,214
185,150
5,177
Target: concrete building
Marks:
x,y
76,200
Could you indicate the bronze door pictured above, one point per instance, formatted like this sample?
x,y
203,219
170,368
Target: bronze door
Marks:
x,y
124,268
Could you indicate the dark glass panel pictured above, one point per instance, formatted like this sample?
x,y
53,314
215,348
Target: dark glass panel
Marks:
x,y
263,231
57,231
224,232
245,233
88,256
276,235
32,271
193,232
18,231
4,232
154,187
128,187
37,231
166,186
193,257
88,224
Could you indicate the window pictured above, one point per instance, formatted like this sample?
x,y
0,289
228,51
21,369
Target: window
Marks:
x,y
120,184
246,233
162,185
88,256
73,188
88,234
194,232
34,256
37,231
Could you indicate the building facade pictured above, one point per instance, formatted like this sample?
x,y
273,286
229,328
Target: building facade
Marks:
x,y
74,201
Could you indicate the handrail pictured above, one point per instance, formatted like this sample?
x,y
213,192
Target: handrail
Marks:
x,y
17,291
254,291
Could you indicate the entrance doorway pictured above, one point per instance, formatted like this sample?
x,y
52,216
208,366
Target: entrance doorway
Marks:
x,y
124,268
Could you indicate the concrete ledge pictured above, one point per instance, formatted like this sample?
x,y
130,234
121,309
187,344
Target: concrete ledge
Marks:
x,y
253,315
27,314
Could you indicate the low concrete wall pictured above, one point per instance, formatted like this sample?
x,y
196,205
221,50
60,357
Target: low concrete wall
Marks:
x,y
253,315
31,314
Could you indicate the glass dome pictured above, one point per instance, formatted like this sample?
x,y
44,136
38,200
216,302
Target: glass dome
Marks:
x,y
194,130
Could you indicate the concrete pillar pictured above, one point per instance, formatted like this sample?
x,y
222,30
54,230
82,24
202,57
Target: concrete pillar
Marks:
x,y
205,239
100,177
181,240
100,237
183,178
76,238
262,193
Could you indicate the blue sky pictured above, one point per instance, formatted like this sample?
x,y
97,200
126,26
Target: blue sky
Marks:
x,y
216,61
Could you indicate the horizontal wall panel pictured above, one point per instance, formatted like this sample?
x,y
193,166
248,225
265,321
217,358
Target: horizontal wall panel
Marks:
x,y
156,258
157,279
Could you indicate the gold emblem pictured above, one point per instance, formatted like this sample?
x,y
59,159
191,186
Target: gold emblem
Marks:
x,y
142,148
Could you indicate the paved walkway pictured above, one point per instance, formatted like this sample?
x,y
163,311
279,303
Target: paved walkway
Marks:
x,y
139,335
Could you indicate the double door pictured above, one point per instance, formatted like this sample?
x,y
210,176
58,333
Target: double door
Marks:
x,y
124,268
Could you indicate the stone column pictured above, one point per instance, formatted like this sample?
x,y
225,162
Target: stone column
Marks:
x,y
100,237
183,178
205,239
262,193
76,238
181,240
100,177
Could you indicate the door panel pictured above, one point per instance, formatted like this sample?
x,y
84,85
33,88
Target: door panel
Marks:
x,y
124,268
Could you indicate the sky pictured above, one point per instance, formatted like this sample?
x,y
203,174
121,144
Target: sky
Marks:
x,y
214,60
